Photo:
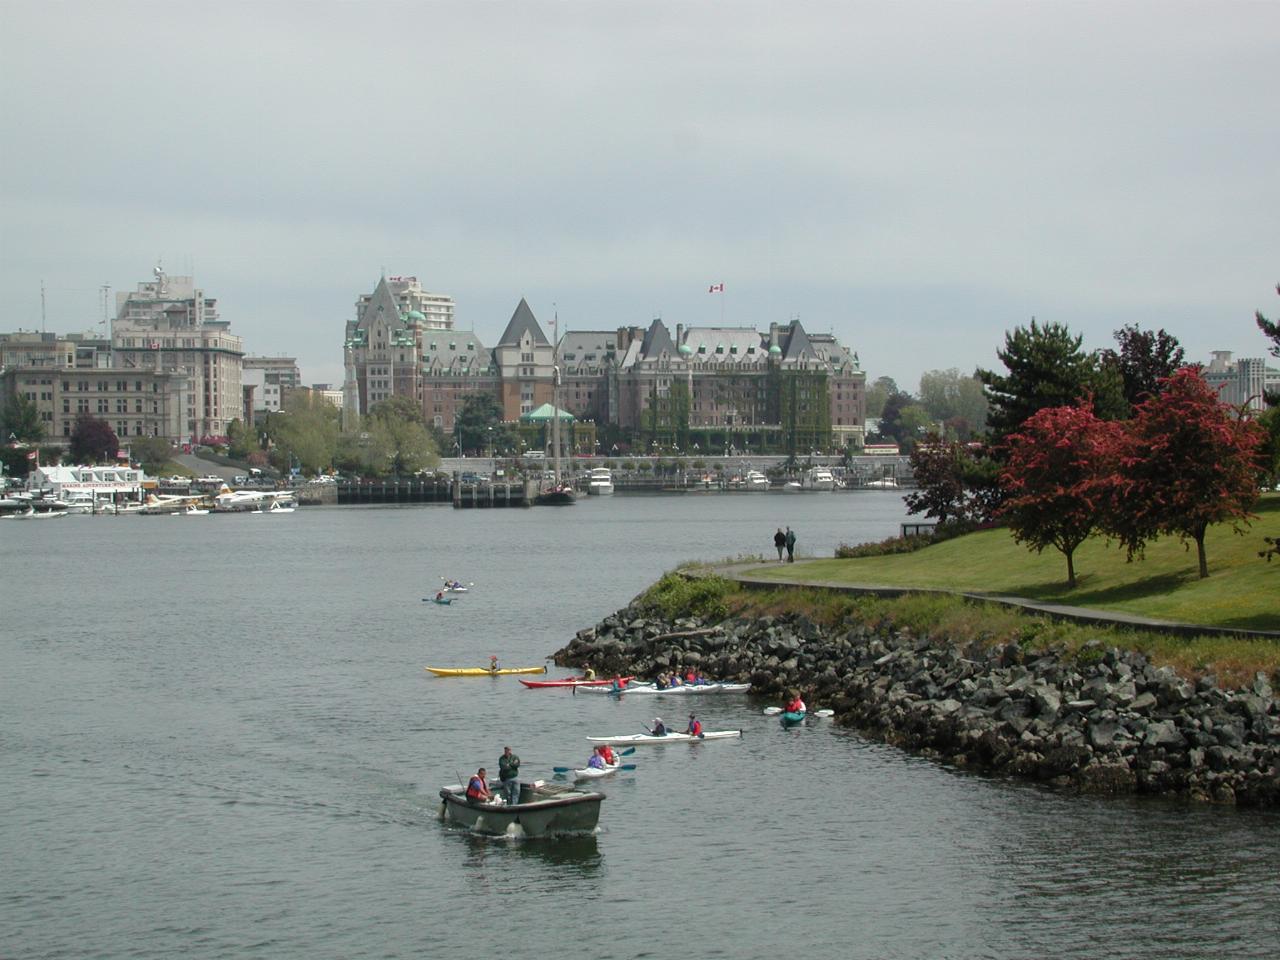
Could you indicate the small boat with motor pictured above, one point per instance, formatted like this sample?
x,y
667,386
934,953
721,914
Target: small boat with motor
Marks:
x,y
481,671
637,739
571,682
543,810
755,482
600,482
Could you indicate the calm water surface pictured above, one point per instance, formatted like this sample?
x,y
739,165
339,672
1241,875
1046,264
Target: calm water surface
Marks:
x,y
217,740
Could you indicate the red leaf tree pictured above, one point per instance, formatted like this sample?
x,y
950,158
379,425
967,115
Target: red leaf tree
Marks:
x,y
1189,461
1060,478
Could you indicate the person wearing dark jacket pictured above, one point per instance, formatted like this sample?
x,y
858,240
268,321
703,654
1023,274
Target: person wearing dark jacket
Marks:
x,y
791,545
509,774
780,541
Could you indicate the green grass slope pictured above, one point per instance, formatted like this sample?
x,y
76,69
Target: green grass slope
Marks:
x,y
1242,590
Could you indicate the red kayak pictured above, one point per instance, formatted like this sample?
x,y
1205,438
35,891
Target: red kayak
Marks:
x,y
571,682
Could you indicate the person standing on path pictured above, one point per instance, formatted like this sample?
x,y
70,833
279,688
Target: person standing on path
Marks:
x,y
791,545
509,775
780,541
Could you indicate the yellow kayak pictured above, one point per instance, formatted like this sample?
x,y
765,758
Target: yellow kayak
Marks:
x,y
481,671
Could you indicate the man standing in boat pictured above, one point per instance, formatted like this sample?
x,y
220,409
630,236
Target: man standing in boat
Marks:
x,y
509,774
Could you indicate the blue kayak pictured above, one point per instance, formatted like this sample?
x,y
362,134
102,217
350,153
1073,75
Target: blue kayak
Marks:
x,y
790,719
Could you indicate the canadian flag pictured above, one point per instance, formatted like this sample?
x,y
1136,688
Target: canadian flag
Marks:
x,y
716,288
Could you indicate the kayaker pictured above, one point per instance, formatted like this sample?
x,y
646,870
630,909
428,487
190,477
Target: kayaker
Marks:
x,y
588,674
695,726
596,762
659,728
795,704
439,595
493,663
508,775
618,684
606,754
660,682
691,677
478,788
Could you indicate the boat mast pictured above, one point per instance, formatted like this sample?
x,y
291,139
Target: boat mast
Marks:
x,y
555,395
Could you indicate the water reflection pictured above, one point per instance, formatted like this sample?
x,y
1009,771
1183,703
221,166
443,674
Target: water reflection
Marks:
x,y
582,854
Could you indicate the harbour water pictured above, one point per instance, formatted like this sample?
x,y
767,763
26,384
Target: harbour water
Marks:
x,y
217,740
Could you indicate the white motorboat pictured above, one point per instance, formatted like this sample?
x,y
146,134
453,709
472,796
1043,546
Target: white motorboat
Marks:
x,y
600,482
792,486
819,478
884,483
755,482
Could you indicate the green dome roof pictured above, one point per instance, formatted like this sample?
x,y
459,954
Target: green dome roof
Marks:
x,y
685,349
774,349
417,315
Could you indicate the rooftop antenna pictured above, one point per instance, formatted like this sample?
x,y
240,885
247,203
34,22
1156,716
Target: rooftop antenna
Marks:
x,y
106,297
42,305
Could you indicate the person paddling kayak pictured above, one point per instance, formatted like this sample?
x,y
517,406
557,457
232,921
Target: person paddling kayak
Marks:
x,y
659,728
695,726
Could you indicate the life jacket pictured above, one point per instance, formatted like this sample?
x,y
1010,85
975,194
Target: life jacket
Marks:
x,y
695,728
476,789
607,755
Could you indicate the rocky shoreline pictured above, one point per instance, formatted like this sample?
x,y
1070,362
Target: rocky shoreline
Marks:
x,y
1101,720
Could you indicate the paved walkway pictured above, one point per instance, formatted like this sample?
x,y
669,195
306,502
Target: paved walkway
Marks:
x,y
743,573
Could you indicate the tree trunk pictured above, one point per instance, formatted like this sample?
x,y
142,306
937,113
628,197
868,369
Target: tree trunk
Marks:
x,y
1071,568
1204,564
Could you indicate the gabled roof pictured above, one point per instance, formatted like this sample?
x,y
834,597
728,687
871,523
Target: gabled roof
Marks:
x,y
725,345
522,322
657,340
796,343
381,305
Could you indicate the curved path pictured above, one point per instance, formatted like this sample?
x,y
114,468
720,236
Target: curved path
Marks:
x,y
742,573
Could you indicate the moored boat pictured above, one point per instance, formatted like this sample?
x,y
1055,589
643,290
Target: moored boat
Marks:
x,y
755,482
544,810
637,739
481,671
600,482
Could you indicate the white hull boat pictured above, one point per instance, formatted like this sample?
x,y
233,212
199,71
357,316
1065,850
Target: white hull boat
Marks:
x,y
600,482
684,688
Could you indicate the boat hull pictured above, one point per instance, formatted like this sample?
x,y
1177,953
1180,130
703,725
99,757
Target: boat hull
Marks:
x,y
687,689
644,738
549,813
568,682
792,719
481,671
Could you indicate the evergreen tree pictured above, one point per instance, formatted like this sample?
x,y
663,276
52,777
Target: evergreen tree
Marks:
x,y
20,421
1046,368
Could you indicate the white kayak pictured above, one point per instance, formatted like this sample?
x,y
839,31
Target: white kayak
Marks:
x,y
595,773
638,738
684,688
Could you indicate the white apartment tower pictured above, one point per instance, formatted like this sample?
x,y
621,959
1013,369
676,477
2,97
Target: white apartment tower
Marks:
x,y
167,324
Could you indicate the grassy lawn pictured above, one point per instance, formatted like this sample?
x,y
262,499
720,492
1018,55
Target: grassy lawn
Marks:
x,y
1242,590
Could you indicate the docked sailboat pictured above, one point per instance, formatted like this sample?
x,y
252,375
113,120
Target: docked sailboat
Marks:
x,y
559,493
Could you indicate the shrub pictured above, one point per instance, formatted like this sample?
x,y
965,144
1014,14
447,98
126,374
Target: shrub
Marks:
x,y
677,596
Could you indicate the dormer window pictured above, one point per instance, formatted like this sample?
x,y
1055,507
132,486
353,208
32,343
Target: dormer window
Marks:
x,y
702,348
719,348
733,348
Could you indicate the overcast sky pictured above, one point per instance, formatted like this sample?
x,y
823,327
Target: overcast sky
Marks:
x,y
917,178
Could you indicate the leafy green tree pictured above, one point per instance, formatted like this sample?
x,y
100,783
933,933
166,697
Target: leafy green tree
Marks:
x,y
1188,462
480,413
398,425
93,441
1046,368
878,393
242,439
20,419
949,395
904,421
305,433
151,452
1060,479
1144,359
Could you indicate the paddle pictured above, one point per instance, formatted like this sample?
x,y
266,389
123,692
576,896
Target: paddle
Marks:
x,y
624,766
774,711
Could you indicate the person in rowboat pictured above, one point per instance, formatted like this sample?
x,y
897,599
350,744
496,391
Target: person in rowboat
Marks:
x,y
659,728
508,775
695,726
478,788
